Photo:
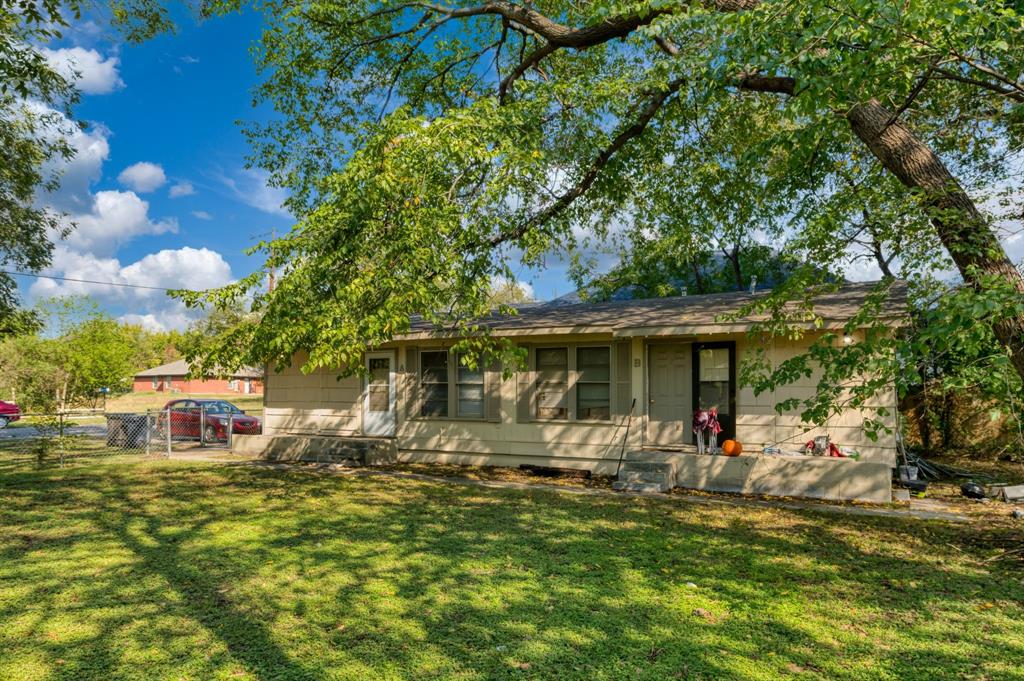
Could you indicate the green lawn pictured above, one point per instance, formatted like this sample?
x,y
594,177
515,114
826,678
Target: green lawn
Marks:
x,y
160,569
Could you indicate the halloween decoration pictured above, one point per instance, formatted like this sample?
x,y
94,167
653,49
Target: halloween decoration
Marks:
x,y
700,424
715,428
823,446
705,422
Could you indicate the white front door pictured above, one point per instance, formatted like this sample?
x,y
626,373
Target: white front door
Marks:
x,y
379,398
669,395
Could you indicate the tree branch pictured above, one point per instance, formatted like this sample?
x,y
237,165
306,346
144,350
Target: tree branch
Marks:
x,y
558,34
525,65
1009,93
755,82
634,130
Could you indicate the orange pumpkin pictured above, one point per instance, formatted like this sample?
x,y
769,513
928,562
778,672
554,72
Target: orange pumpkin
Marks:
x,y
732,448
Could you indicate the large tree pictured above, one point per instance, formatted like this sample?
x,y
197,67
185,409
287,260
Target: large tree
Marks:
x,y
430,145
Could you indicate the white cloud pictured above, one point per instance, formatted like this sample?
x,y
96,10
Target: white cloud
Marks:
x,y
143,176
251,188
193,268
202,215
77,174
116,217
177,318
189,59
183,188
93,73
187,267
863,268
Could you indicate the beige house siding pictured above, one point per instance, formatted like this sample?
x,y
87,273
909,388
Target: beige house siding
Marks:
x,y
758,423
319,404
311,404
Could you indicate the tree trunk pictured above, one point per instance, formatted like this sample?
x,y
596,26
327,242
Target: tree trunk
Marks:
x,y
960,226
698,278
734,259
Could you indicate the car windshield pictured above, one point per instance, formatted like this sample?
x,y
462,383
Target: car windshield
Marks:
x,y
221,408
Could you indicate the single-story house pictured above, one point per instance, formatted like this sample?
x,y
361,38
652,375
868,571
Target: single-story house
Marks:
x,y
173,378
601,378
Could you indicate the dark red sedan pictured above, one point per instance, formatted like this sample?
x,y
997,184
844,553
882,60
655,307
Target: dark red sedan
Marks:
x,y
190,417
9,411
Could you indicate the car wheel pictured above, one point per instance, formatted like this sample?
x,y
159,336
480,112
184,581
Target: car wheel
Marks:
x,y
211,434
3,422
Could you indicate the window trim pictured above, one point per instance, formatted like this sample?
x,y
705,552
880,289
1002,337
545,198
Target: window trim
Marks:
x,y
453,388
573,380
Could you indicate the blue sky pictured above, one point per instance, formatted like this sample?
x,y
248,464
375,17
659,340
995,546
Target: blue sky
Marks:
x,y
159,188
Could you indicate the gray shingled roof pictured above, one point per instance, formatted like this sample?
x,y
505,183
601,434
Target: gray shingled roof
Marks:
x,y
672,316
179,367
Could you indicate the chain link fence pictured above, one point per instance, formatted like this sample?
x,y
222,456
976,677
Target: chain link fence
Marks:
x,y
61,438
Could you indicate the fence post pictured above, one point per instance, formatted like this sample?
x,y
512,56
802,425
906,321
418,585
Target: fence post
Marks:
x,y
60,438
231,429
202,425
168,429
149,432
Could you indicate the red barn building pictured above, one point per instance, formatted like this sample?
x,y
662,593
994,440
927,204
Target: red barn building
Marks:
x,y
173,378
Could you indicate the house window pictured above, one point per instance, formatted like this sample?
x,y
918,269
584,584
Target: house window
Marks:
x,y
156,383
593,384
434,382
552,383
233,385
469,384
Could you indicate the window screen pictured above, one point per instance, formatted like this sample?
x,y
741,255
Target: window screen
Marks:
x,y
552,383
593,387
470,386
434,383
714,379
379,384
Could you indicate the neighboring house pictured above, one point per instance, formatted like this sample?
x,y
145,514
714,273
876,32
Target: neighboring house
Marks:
x,y
173,378
588,364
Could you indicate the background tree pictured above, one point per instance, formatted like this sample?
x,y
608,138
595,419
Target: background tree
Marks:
x,y
509,292
214,333
80,351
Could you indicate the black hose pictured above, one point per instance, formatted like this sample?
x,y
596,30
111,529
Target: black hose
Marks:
x,y
625,438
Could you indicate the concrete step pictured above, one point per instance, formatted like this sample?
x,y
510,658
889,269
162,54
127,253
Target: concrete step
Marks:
x,y
640,487
342,458
644,476
316,448
650,466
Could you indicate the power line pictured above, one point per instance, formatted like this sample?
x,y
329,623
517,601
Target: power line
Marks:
x,y
86,281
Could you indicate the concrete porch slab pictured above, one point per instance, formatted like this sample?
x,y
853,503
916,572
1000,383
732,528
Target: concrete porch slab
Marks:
x,y
812,477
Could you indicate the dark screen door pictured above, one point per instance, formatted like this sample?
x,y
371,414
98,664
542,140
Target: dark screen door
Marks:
x,y
714,382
